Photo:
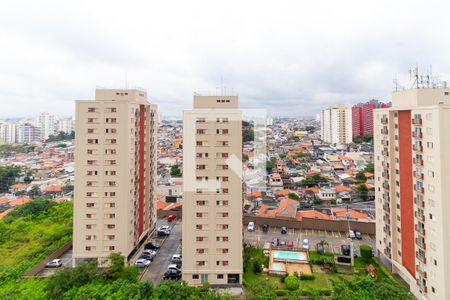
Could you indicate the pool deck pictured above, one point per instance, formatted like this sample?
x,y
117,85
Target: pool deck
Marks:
x,y
278,266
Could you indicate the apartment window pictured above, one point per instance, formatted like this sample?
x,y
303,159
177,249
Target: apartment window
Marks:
x,y
110,151
90,151
201,263
90,130
219,276
110,237
432,288
111,110
111,216
112,205
110,130
201,167
431,216
89,216
92,141
199,215
201,202
199,143
92,109
87,248
195,276
201,120
90,173
111,120
199,238
88,226
199,226
110,248
90,204
201,131
92,120
200,251
110,226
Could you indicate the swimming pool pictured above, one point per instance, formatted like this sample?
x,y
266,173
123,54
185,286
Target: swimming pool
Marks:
x,y
289,255
278,267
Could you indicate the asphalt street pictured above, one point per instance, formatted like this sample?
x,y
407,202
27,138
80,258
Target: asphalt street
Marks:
x,y
170,245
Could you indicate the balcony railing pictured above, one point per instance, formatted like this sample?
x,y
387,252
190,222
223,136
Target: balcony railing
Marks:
x,y
417,135
417,121
384,120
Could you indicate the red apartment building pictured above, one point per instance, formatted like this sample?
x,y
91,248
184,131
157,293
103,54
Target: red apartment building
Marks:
x,y
362,117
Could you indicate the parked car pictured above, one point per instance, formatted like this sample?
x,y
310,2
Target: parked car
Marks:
x,y
148,256
358,234
351,234
170,218
290,244
283,230
275,242
319,248
282,243
265,228
172,274
142,263
305,244
163,231
251,226
56,263
345,249
175,267
152,246
176,258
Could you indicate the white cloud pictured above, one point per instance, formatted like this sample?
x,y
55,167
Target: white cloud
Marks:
x,y
291,57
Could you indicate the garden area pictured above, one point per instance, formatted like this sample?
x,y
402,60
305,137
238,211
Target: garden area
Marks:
x,y
366,280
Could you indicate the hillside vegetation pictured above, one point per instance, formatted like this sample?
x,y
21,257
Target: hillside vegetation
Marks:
x,y
28,234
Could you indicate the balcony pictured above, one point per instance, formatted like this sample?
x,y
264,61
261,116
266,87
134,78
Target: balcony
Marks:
x,y
385,185
421,244
386,208
418,148
416,121
384,120
417,135
384,131
417,161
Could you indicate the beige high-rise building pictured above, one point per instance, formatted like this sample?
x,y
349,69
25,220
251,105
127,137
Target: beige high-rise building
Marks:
x,y
336,124
412,184
212,191
115,173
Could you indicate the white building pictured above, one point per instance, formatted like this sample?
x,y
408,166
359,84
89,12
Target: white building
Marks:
x,y
28,133
8,133
65,125
336,124
46,123
412,184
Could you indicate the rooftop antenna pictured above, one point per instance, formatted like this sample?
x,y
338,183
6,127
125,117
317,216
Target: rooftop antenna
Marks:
x,y
414,73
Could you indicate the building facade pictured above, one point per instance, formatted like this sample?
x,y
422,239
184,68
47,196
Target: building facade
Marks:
x,y
8,133
27,133
65,125
336,125
362,117
115,173
412,181
46,123
212,191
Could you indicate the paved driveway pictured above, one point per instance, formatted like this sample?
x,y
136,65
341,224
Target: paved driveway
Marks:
x,y
170,246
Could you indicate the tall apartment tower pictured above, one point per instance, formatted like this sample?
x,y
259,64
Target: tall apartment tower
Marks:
x,y
362,116
412,184
46,123
115,173
336,124
212,191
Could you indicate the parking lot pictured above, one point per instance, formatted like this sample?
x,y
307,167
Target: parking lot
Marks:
x,y
66,260
334,238
170,245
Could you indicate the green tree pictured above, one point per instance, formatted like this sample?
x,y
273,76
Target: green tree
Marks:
x,y
8,176
292,282
261,290
33,208
360,177
366,252
293,196
270,165
175,171
35,192
248,135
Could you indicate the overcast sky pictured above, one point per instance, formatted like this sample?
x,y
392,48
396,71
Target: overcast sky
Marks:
x,y
290,57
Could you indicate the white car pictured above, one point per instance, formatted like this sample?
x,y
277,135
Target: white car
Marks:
x,y
176,258
56,263
351,234
251,226
174,267
142,263
305,244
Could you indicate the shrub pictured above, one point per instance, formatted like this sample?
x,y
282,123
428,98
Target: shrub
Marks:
x,y
292,283
257,266
282,278
366,252
306,277
325,292
281,292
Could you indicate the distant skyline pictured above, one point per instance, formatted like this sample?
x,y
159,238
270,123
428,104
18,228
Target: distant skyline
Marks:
x,y
290,57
